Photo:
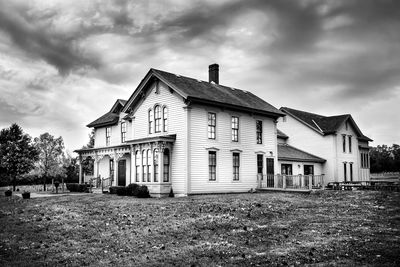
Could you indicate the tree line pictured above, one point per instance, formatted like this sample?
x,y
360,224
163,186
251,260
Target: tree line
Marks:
x,y
385,158
24,160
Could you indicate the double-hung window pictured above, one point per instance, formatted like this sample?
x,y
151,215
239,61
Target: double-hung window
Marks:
x,y
345,171
236,165
212,123
344,143
148,165
235,129
150,121
155,164
259,131
165,119
137,161
157,119
144,163
108,136
123,131
349,143
212,165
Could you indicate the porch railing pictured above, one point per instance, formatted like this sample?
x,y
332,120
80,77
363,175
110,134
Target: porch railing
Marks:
x,y
291,181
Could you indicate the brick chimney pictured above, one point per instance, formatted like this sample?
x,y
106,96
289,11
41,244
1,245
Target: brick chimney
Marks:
x,y
213,73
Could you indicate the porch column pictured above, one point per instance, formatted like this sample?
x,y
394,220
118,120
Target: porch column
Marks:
x,y
310,181
133,162
284,181
80,170
160,164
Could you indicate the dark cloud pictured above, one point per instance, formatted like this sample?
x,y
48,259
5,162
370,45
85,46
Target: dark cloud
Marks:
x,y
38,39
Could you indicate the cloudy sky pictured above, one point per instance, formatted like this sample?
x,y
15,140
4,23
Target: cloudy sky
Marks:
x,y
64,63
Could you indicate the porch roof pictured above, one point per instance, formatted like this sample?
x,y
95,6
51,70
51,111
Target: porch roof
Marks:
x,y
289,153
161,138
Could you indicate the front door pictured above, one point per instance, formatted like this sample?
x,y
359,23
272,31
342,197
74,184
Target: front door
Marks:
x,y
270,172
122,173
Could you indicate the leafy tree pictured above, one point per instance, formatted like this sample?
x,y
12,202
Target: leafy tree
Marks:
x,y
71,169
87,164
17,153
385,159
51,156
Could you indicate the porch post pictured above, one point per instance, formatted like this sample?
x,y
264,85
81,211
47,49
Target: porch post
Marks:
x,y
310,181
284,181
80,170
160,164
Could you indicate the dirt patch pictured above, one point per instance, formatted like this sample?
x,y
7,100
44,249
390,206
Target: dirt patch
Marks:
x,y
331,228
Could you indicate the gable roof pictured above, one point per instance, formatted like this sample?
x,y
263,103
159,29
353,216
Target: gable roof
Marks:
x,y
324,125
110,117
197,91
290,153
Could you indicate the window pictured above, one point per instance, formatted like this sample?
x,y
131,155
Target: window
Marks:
x,y
166,165
308,169
157,118
345,171
351,171
144,159
364,160
150,121
108,136
111,168
259,164
211,125
123,131
212,165
349,143
236,165
165,119
148,165
344,143
259,131
155,164
235,129
137,166
286,169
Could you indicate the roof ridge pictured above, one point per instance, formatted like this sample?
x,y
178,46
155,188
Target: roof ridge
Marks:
x,y
304,112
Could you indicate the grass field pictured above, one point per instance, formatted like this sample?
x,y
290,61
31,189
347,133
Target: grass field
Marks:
x,y
328,228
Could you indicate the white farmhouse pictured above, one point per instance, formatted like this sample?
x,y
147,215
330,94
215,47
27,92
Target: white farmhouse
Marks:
x,y
337,139
190,135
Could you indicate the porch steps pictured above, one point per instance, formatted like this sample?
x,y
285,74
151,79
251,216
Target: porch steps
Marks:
x,y
99,190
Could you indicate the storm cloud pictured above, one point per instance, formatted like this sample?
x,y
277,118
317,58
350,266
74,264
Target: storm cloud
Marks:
x,y
328,57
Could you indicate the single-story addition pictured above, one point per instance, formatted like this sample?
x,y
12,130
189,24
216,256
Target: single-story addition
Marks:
x,y
186,134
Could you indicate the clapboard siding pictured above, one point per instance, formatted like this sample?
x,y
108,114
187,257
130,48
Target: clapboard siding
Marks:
x,y
176,125
306,139
247,144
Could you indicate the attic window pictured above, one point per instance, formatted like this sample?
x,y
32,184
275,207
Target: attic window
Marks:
x,y
157,88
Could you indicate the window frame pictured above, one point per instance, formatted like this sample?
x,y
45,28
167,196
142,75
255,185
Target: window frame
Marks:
x,y
137,166
108,136
123,131
151,119
112,168
285,166
166,165
351,171
350,143
212,166
344,143
211,125
165,118
155,165
148,165
345,171
235,129
259,131
236,168
157,119
144,159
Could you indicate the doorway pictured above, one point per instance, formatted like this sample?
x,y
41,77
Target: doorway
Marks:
x,y
122,172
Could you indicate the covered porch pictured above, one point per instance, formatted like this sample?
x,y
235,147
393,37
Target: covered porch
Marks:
x,y
142,161
299,182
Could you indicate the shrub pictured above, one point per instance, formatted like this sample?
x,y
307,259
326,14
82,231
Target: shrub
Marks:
x,y
132,189
116,189
143,192
122,191
75,187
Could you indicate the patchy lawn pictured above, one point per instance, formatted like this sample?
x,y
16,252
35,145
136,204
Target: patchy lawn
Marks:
x,y
328,228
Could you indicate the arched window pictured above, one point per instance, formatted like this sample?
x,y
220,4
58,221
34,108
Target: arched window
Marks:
x,y
155,164
166,165
150,121
144,159
165,119
157,118
137,166
148,165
